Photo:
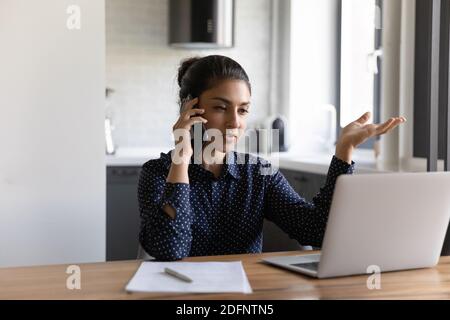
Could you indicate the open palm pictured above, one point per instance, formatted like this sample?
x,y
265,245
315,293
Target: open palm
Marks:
x,y
358,131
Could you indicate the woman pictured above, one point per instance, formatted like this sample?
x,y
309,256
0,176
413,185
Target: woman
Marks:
x,y
217,207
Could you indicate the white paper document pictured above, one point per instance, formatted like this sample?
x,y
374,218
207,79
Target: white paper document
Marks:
x,y
206,277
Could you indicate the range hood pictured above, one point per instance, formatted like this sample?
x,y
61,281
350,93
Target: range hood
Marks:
x,y
201,24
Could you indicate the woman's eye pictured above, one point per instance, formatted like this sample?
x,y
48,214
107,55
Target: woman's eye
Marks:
x,y
220,108
244,111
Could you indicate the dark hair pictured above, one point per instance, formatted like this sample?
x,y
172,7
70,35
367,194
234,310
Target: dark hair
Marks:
x,y
197,74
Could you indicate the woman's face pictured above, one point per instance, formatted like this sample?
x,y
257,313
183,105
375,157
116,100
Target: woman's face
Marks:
x,y
226,109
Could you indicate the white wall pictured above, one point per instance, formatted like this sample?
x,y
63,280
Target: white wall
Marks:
x,y
52,172
142,68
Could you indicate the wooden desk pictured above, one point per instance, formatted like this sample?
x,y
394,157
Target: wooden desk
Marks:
x,y
107,281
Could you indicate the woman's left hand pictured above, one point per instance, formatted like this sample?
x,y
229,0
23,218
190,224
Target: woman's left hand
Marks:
x,y
358,132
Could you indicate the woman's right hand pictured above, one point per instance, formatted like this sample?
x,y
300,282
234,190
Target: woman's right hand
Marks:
x,y
181,129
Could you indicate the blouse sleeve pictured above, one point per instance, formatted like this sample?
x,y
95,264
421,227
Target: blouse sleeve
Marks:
x,y
161,236
302,220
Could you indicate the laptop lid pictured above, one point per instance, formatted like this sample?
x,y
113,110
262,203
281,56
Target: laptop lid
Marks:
x,y
392,221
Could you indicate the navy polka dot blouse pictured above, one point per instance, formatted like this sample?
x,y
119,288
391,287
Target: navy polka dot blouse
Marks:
x,y
225,215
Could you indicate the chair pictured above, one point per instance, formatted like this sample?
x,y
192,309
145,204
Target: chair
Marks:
x,y
142,254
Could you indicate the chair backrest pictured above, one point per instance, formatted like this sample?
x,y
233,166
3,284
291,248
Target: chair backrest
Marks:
x,y
142,254
274,239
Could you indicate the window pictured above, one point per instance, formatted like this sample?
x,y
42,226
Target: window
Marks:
x,y
334,69
360,63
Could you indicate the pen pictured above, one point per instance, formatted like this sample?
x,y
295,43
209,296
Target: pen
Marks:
x,y
177,275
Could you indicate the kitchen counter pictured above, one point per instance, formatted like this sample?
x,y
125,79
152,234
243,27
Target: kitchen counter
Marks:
x,y
317,163
134,156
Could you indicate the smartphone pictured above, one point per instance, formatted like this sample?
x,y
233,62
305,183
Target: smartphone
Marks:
x,y
196,125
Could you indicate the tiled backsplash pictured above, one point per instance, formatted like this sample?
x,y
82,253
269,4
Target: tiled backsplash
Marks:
x,y
141,67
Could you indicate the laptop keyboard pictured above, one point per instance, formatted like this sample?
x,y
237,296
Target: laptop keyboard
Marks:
x,y
313,266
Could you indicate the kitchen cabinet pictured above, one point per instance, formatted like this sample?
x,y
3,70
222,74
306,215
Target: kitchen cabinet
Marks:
x,y
307,185
122,213
122,221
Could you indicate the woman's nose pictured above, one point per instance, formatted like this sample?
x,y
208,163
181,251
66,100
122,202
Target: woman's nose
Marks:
x,y
233,120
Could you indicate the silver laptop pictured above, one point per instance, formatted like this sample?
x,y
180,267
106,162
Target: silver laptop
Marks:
x,y
386,222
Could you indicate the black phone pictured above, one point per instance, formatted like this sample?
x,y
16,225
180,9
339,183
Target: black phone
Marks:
x,y
203,128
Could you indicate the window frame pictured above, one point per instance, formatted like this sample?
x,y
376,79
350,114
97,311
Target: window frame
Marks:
x,y
369,144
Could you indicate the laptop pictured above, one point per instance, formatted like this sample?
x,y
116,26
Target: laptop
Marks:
x,y
385,222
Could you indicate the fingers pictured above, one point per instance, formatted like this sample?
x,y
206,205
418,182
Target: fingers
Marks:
x,y
189,117
189,104
189,113
389,125
197,120
364,118
394,124
382,128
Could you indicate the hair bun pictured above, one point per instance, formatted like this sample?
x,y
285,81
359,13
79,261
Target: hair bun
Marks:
x,y
184,66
